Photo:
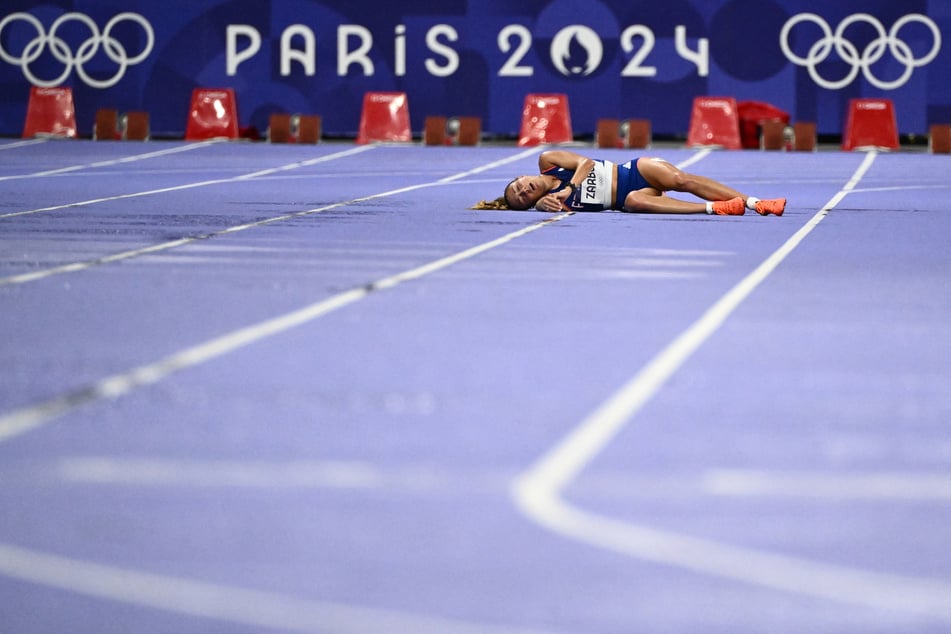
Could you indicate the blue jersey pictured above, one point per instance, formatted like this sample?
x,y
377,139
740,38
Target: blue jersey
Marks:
x,y
594,194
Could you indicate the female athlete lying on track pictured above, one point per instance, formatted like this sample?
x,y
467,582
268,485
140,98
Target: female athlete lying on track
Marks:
x,y
571,182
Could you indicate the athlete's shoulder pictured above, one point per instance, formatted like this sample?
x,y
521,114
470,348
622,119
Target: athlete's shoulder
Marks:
x,y
561,158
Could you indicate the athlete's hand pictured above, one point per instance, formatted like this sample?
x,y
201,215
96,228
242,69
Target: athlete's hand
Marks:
x,y
548,202
554,202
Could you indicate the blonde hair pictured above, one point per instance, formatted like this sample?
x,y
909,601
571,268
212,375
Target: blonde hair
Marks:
x,y
498,204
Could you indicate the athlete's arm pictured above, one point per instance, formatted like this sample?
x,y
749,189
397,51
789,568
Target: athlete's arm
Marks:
x,y
580,165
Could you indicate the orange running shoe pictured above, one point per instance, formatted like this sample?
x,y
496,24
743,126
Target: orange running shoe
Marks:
x,y
774,206
732,207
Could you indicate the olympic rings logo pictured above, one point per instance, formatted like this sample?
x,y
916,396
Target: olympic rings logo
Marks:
x,y
86,51
849,53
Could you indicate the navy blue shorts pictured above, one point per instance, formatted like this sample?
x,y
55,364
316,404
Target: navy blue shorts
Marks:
x,y
629,179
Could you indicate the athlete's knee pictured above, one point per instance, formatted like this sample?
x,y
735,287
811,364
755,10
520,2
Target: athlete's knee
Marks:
x,y
681,181
638,201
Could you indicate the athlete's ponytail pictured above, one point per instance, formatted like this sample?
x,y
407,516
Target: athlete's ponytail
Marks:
x,y
499,204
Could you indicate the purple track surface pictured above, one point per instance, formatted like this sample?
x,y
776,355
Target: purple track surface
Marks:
x,y
253,388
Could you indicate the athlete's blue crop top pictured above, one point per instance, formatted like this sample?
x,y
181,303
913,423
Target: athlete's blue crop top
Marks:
x,y
595,193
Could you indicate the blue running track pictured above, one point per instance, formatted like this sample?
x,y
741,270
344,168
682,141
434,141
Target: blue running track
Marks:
x,y
258,388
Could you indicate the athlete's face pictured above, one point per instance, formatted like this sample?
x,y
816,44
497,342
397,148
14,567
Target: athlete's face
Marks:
x,y
524,191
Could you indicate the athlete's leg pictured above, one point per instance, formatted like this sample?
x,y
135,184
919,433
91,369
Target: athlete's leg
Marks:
x,y
665,176
650,200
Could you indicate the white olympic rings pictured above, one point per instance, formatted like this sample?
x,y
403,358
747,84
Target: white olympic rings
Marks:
x,y
849,53
86,51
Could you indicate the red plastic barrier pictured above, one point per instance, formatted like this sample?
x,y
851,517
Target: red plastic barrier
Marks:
x,y
714,121
871,123
545,119
50,112
213,114
385,118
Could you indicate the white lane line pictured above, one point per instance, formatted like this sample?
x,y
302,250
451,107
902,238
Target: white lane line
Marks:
x,y
175,188
16,144
697,156
260,474
306,163
927,597
331,474
884,485
73,267
255,608
537,492
125,159
898,188
24,419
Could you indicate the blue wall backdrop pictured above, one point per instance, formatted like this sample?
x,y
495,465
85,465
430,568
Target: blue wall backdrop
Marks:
x,y
613,58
